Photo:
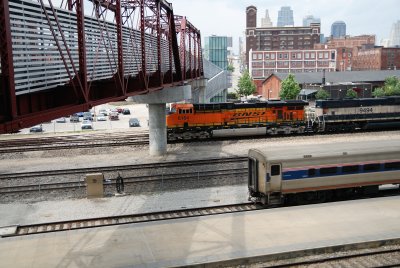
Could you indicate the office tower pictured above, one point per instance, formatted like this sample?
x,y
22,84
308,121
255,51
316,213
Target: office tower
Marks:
x,y
395,34
266,22
285,17
338,29
307,20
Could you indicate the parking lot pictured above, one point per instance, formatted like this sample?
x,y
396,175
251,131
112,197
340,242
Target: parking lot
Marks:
x,y
139,111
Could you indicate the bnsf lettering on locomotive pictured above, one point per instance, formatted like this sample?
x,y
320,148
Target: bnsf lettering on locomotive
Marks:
x,y
248,114
366,110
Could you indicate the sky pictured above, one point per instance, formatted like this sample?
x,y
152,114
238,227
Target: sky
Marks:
x,y
228,17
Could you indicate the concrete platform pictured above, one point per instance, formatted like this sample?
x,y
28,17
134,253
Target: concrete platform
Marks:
x,y
209,239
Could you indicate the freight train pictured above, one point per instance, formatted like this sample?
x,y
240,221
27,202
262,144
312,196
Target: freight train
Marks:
x,y
203,121
321,173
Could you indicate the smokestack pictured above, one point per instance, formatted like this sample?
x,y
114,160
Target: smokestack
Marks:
x,y
323,77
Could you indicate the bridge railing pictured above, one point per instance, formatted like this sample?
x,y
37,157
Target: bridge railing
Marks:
x,y
53,57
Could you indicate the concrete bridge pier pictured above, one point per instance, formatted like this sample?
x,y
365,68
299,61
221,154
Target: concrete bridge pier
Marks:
x,y
157,123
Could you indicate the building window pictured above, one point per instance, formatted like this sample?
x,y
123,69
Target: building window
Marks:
x,y
254,56
251,32
285,55
260,56
280,56
312,55
293,55
307,55
326,55
272,56
299,55
266,56
320,55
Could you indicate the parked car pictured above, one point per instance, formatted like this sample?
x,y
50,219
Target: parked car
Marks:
x,y
101,117
126,111
37,128
74,118
113,116
61,120
87,124
80,114
103,112
119,109
134,122
87,116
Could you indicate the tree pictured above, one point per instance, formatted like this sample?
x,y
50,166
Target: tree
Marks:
x,y
351,94
322,94
290,89
230,68
232,96
392,86
246,85
378,92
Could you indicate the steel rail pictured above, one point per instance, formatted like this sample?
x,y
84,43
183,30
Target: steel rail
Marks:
x,y
127,180
129,219
213,161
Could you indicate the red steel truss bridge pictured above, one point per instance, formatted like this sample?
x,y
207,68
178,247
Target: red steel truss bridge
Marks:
x,y
66,57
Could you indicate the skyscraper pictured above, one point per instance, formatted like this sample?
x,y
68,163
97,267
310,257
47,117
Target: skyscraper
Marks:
x,y
307,20
338,29
395,35
285,17
266,22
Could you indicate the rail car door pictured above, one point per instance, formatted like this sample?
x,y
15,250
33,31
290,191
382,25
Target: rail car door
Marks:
x,y
275,174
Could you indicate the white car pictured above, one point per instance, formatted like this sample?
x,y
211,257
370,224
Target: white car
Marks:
x,y
61,120
101,117
87,124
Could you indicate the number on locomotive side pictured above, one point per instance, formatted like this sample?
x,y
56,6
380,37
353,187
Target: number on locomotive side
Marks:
x,y
366,110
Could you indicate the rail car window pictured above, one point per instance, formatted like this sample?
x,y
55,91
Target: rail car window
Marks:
x,y
275,170
371,167
311,172
350,169
328,170
392,165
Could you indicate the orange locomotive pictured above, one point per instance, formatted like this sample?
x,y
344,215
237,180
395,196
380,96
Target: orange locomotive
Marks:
x,y
202,121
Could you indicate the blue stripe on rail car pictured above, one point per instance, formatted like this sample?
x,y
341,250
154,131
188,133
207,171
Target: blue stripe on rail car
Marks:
x,y
362,168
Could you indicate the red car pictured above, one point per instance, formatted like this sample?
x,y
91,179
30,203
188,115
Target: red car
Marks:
x,y
119,109
113,116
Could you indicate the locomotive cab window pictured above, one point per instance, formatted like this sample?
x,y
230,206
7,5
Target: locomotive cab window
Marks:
x,y
185,111
275,170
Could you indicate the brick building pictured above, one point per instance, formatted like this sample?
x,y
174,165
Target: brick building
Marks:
x,y
264,63
278,38
376,58
345,49
336,83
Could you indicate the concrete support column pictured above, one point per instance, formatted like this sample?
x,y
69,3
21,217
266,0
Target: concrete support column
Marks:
x,y
157,119
157,129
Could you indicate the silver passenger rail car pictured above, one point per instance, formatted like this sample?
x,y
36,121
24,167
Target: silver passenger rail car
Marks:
x,y
293,176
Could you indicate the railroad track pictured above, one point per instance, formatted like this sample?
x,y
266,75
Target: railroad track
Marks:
x,y
214,161
72,142
127,180
379,257
127,219
115,140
